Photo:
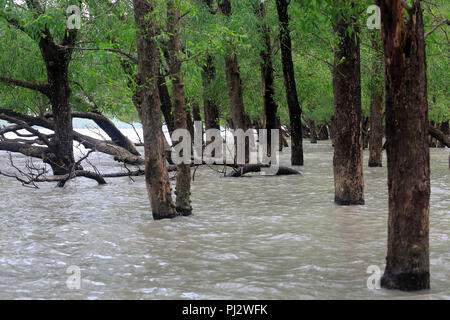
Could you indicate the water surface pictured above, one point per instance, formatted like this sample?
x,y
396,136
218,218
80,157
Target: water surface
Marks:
x,y
249,238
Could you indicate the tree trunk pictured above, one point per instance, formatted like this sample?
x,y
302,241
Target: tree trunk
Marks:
x,y
211,110
166,103
183,186
157,177
210,107
313,130
407,262
267,77
57,60
295,112
376,107
239,117
348,139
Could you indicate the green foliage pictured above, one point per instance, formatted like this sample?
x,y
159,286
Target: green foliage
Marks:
x,y
98,77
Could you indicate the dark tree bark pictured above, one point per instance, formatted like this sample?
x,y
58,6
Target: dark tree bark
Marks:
x,y
109,127
439,135
348,138
313,131
446,131
234,82
407,262
183,185
295,112
157,177
376,107
57,58
267,77
211,110
240,119
252,168
166,103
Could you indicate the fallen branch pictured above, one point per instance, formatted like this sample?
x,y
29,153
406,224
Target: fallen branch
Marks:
x,y
252,168
439,135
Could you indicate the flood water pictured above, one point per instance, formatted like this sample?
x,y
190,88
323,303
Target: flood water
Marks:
x,y
249,238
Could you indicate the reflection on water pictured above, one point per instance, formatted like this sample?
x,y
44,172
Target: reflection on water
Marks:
x,y
250,238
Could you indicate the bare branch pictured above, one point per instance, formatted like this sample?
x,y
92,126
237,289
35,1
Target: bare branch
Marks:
x,y
436,27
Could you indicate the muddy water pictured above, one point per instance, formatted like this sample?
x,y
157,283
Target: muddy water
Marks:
x,y
250,238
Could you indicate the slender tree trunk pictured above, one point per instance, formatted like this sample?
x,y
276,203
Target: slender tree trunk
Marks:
x,y
183,188
157,177
313,129
407,262
239,117
234,82
166,103
348,139
211,110
267,77
210,107
376,107
295,112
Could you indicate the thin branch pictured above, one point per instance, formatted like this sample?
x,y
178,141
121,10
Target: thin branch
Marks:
x,y
436,27
129,56
42,88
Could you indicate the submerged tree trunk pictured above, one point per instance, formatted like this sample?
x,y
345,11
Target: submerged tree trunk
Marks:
x,y
445,130
147,96
267,77
376,107
348,139
183,186
57,57
234,82
313,131
211,110
407,262
239,117
295,112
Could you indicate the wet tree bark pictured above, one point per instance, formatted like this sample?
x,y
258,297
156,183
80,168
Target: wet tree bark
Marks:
x,y
234,83
57,58
295,112
147,96
445,130
407,261
110,129
348,138
57,62
183,179
313,131
211,110
166,103
376,107
239,117
267,77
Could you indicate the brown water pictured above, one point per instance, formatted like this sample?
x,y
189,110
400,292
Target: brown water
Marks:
x,y
250,238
